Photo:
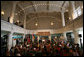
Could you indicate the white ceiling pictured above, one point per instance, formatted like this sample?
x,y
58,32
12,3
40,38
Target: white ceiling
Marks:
x,y
42,6
44,11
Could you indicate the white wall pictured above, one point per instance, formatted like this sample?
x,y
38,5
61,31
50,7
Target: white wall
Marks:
x,y
40,30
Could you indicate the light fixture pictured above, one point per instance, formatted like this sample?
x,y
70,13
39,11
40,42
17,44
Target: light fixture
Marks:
x,y
36,24
66,10
43,40
28,45
2,12
82,7
52,23
18,21
69,18
34,48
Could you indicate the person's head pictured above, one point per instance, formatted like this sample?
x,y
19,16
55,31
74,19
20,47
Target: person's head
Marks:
x,y
11,47
77,45
21,46
70,50
18,54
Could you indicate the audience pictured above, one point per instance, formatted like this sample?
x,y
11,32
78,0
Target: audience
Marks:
x,y
46,49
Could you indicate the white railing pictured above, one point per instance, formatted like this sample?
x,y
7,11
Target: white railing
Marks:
x,y
5,25
18,29
11,27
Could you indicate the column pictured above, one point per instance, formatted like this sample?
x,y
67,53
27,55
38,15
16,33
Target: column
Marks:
x,y
38,40
63,20
13,12
73,5
65,36
24,37
25,32
24,20
14,42
63,23
71,9
76,39
10,40
50,37
24,24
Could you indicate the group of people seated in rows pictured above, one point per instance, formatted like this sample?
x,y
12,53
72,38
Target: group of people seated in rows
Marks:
x,y
58,48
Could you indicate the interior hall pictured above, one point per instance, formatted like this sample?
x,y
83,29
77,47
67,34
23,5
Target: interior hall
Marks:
x,y
41,28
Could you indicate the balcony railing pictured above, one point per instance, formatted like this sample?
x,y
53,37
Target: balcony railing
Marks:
x,y
75,20
6,26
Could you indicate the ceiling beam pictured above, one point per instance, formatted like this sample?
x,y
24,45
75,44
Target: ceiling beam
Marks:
x,y
43,16
47,5
35,11
62,5
33,6
21,7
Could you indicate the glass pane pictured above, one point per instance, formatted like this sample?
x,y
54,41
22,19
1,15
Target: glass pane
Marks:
x,y
75,14
79,11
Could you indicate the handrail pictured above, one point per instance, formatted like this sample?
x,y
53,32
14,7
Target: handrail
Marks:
x,y
11,27
71,22
10,23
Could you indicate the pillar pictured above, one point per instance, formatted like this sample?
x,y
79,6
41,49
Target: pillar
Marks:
x,y
50,37
76,39
65,36
24,20
24,26
10,40
63,20
24,37
14,42
71,9
25,32
63,23
13,12
72,5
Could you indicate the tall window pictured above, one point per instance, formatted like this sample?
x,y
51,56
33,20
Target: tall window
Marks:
x,y
77,12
